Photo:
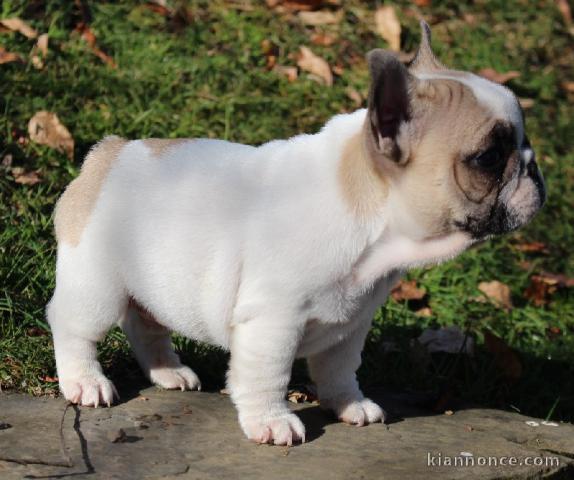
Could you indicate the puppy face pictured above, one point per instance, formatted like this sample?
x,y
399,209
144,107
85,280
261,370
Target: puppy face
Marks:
x,y
453,146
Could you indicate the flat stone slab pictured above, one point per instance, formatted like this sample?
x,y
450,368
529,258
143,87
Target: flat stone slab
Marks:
x,y
191,435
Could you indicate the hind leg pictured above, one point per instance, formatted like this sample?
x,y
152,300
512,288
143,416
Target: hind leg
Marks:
x,y
84,306
151,343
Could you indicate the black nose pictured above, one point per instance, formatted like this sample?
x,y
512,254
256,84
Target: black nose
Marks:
x,y
534,173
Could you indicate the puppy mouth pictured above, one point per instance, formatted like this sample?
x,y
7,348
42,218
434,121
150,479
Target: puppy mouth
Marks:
x,y
499,221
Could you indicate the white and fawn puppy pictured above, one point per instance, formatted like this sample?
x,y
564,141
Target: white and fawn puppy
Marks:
x,y
284,250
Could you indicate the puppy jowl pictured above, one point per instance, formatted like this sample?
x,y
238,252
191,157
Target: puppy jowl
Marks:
x,y
285,250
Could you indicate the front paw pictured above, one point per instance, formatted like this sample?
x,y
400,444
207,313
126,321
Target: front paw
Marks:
x,y
358,412
284,429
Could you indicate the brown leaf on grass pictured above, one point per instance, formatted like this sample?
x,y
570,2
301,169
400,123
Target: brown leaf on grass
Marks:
x,y
285,71
49,379
407,290
388,26
565,11
568,86
88,35
315,65
424,312
338,69
40,51
298,5
469,18
354,95
36,332
25,178
553,332
45,128
323,39
542,286
321,17
159,7
7,160
18,25
271,52
559,279
532,247
7,57
505,357
498,77
526,103
497,292
422,3
301,395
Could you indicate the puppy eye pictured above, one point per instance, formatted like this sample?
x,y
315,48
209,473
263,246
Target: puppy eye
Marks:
x,y
488,159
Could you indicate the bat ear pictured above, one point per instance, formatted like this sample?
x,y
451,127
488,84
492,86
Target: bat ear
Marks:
x,y
389,100
425,60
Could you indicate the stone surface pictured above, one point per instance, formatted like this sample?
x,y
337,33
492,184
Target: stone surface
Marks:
x,y
191,435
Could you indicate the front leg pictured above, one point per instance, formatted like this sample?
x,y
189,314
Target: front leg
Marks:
x,y
333,371
262,354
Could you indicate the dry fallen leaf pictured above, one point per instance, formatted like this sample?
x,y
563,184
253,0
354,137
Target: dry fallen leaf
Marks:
x,y
354,95
301,395
498,77
25,178
88,35
526,103
40,51
36,332
45,128
565,11
544,285
539,291
18,25
316,65
7,57
469,18
289,72
7,160
424,312
271,51
323,39
448,412
559,279
506,359
297,5
497,292
388,26
49,379
321,17
532,247
407,290
568,86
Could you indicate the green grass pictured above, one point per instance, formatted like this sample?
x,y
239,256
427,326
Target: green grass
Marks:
x,y
209,79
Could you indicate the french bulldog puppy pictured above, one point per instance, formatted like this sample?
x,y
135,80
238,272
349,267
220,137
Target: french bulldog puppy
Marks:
x,y
287,249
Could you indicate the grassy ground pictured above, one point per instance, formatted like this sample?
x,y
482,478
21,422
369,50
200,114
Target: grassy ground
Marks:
x,y
209,79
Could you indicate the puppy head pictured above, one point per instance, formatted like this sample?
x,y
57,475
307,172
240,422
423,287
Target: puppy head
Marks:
x,y
452,146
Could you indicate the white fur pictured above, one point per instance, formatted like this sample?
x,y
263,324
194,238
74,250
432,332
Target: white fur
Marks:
x,y
252,249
